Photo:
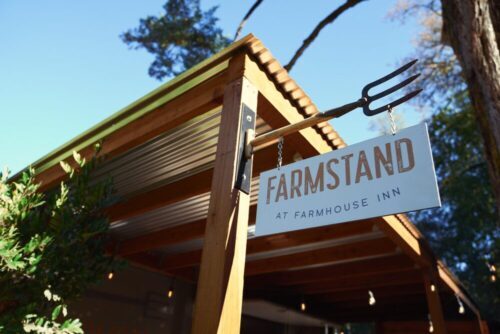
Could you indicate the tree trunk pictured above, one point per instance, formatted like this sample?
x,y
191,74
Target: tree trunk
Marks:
x,y
469,26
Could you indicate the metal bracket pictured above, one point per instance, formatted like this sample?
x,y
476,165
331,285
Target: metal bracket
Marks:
x,y
245,160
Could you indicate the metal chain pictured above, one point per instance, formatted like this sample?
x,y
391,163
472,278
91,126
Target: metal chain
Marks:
x,y
280,152
391,119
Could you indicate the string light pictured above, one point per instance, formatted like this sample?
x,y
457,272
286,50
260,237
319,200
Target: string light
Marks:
x,y
461,308
371,299
431,326
303,306
170,292
111,274
493,270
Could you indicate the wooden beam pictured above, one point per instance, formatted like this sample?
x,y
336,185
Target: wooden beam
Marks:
x,y
307,236
169,236
350,251
483,327
388,313
365,313
152,262
434,302
372,281
417,327
350,295
171,193
409,244
385,264
219,295
381,303
278,241
278,111
448,280
379,292
415,309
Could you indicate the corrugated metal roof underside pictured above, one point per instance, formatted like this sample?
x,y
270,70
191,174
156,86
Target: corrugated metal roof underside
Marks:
x,y
182,212
183,151
176,154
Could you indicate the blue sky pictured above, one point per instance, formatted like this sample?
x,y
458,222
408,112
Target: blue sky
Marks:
x,y
63,67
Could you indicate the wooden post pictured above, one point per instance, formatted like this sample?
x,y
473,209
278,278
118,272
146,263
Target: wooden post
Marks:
x,y
219,295
482,326
434,303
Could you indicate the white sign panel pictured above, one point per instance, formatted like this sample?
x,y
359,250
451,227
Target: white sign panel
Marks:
x,y
377,177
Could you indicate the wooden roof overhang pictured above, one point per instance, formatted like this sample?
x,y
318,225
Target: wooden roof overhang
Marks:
x,y
160,151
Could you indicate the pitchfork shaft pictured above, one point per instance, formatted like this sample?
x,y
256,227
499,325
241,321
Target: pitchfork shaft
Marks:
x,y
308,122
253,144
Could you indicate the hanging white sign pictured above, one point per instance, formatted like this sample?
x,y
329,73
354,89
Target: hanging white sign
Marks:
x,y
377,177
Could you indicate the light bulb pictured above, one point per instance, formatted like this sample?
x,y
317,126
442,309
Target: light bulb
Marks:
x,y
461,308
111,274
170,293
493,268
493,278
371,299
431,327
303,306
433,287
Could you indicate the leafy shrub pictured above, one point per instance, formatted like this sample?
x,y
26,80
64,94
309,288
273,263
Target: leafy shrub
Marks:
x,y
52,247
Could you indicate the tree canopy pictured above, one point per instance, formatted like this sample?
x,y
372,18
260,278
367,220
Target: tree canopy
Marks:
x,y
180,38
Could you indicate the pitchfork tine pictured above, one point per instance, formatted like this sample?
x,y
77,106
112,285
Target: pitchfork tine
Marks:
x,y
395,88
388,76
396,102
369,99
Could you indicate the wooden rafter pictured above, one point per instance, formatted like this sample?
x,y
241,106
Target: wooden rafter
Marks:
x,y
400,291
384,264
350,251
169,236
368,282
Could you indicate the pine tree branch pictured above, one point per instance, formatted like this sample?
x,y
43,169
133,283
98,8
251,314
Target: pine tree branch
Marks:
x,y
245,18
327,20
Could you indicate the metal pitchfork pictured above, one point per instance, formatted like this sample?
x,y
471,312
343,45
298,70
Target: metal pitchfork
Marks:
x,y
253,142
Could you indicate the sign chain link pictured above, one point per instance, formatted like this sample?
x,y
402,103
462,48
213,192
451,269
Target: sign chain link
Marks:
x,y
391,119
280,152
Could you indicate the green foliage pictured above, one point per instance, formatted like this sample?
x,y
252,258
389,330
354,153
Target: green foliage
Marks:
x,y
51,248
182,37
464,231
